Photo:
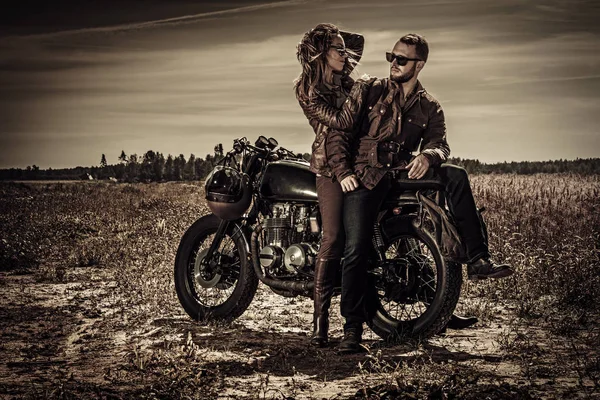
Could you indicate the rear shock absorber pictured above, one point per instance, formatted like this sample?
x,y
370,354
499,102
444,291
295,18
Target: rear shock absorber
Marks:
x,y
378,242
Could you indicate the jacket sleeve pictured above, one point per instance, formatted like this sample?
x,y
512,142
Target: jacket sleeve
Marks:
x,y
355,44
338,118
434,145
338,144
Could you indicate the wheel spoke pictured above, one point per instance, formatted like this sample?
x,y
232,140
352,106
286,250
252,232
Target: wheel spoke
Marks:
x,y
415,275
214,292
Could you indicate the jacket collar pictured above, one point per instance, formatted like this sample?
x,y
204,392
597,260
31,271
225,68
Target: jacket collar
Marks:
x,y
413,97
416,93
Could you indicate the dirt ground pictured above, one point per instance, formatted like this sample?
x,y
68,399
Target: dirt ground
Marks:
x,y
70,339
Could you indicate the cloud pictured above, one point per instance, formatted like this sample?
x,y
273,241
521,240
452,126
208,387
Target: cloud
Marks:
x,y
501,81
175,21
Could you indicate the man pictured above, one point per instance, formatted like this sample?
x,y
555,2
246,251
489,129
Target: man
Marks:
x,y
399,116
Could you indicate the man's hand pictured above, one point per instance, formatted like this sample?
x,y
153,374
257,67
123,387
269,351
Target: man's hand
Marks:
x,y
349,183
418,167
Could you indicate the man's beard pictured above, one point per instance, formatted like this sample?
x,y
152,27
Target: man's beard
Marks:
x,y
405,77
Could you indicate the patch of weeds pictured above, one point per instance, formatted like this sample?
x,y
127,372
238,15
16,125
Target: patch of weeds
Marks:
x,y
528,307
131,189
425,379
591,370
517,342
265,392
67,388
568,324
51,274
167,374
16,256
482,308
586,362
86,256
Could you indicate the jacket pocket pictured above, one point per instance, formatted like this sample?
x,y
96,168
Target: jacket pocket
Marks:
x,y
412,130
367,152
375,115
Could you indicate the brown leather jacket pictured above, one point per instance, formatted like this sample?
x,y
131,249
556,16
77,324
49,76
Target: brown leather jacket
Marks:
x,y
385,118
322,112
324,117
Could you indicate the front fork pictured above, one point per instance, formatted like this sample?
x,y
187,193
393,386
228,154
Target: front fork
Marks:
x,y
214,266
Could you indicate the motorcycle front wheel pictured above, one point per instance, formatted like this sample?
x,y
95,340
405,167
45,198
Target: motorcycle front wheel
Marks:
x,y
216,289
414,291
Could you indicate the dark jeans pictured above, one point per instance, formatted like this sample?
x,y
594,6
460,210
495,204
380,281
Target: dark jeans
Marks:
x,y
360,212
462,207
331,202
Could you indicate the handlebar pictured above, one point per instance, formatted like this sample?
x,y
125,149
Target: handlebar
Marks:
x,y
241,144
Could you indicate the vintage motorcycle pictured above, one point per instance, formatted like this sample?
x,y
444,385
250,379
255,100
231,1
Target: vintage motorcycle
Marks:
x,y
265,226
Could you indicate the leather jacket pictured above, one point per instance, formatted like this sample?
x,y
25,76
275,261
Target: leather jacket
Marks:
x,y
419,123
323,113
324,117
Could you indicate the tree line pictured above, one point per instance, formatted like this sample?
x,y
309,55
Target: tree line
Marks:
x,y
154,167
582,166
151,167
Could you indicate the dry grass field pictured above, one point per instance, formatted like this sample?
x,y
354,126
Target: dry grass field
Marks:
x,y
88,307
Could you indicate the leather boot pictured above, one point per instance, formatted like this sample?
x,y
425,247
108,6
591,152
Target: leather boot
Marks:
x,y
325,272
350,344
484,268
457,322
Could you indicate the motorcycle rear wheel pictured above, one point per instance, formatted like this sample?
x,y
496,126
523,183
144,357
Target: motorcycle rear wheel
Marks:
x,y
423,304
214,294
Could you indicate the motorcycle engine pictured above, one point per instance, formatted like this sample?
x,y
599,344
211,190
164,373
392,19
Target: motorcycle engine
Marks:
x,y
291,240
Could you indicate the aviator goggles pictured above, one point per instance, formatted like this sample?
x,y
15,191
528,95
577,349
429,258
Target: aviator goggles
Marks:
x,y
400,60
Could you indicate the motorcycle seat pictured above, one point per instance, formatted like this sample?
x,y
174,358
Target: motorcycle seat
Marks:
x,y
418,184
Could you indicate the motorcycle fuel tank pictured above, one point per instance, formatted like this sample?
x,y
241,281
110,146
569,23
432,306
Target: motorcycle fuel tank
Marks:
x,y
288,180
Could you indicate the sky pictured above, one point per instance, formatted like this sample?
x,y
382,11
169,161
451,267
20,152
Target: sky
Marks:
x,y
518,80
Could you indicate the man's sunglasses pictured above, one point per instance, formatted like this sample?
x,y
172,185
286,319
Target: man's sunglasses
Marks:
x,y
342,51
400,60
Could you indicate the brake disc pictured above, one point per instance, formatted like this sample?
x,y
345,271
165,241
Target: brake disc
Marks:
x,y
200,273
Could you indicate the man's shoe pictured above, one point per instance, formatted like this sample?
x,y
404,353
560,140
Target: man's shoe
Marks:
x,y
484,268
350,344
457,322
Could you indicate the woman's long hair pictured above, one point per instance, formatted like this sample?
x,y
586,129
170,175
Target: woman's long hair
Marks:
x,y
312,55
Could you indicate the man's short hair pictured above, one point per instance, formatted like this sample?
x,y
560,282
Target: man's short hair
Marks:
x,y
422,47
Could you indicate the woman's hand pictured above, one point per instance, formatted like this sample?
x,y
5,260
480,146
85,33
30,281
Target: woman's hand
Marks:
x,y
349,183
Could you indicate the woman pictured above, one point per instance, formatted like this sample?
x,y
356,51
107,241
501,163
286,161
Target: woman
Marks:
x,y
327,56
330,98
